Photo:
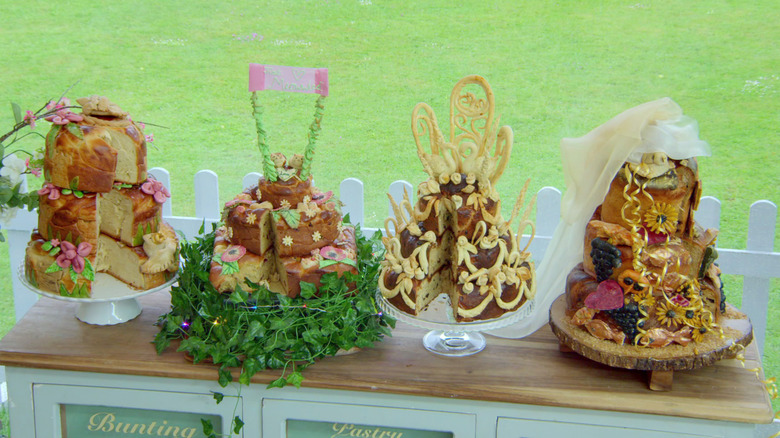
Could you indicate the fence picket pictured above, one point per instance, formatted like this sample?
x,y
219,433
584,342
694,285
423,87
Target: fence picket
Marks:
x,y
351,194
207,195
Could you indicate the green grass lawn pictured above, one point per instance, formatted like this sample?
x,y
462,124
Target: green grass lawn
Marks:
x,y
558,69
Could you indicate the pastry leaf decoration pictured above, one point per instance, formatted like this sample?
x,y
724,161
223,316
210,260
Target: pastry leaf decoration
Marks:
x,y
292,217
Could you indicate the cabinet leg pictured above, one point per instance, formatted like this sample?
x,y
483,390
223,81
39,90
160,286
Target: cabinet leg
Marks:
x,y
661,380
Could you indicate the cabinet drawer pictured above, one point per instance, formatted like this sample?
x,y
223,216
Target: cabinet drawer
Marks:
x,y
293,419
69,411
517,428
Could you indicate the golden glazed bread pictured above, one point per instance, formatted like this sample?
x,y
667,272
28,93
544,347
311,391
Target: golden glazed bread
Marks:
x,y
93,154
648,276
280,233
98,211
453,240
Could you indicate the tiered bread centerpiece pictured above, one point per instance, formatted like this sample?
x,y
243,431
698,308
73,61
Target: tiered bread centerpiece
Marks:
x,y
283,230
647,293
99,211
454,240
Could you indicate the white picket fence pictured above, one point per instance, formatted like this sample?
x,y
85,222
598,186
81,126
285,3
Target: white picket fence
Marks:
x,y
758,263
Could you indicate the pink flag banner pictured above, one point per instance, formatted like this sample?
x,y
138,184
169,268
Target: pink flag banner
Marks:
x,y
291,79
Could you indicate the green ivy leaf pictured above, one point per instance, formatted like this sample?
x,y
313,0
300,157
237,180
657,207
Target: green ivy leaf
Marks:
x,y
224,377
54,267
278,383
237,424
295,378
218,396
255,330
54,251
208,428
46,246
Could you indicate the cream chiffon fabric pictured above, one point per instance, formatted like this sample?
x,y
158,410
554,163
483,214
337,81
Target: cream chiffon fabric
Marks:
x,y
589,165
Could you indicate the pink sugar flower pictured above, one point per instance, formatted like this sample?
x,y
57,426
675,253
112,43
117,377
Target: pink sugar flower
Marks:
x,y
321,198
73,256
156,189
333,253
233,253
149,138
30,118
51,190
63,117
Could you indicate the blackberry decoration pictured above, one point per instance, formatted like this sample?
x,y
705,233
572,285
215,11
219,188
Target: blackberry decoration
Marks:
x,y
606,257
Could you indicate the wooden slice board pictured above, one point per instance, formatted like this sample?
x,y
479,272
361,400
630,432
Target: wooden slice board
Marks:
x,y
660,362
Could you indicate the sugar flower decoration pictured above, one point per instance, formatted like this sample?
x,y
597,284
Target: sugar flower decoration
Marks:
x,y
662,218
333,253
669,314
321,198
156,189
63,117
251,218
287,241
316,236
51,190
285,204
73,256
233,253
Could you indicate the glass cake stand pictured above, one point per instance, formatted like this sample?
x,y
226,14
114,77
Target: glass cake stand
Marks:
x,y
112,301
447,337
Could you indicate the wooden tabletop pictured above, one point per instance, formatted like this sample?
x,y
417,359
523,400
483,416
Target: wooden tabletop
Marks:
x,y
527,371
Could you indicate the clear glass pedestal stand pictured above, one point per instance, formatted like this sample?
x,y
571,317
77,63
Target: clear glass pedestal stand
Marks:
x,y
447,337
112,302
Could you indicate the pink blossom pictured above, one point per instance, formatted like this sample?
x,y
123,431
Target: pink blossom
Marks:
x,y
30,118
56,105
156,189
34,170
150,138
71,255
63,117
55,242
51,190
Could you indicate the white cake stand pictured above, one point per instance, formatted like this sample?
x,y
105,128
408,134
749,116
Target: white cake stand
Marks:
x,y
447,337
112,302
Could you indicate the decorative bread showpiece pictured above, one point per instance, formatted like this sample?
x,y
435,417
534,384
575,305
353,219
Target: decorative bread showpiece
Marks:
x,y
99,211
647,276
105,147
453,240
283,230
